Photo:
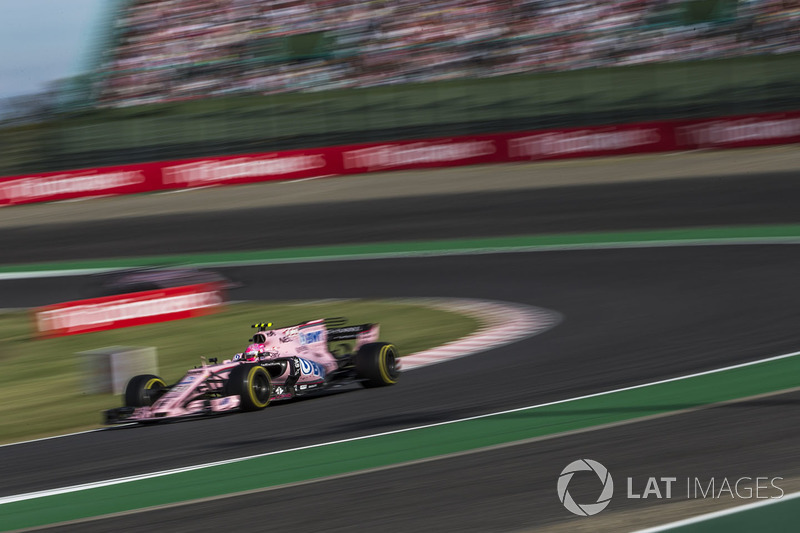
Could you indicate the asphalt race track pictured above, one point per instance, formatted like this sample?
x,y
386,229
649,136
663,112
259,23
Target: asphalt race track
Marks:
x,y
630,316
765,199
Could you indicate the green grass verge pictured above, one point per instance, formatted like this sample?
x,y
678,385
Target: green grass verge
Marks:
x,y
42,378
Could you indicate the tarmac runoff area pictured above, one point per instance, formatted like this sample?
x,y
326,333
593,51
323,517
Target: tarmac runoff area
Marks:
x,y
383,185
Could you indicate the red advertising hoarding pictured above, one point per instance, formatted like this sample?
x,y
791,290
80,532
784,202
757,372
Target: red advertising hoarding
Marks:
x,y
135,309
430,153
740,132
288,165
592,141
52,186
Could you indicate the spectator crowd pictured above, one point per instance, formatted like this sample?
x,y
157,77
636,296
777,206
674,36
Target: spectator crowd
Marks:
x,y
178,49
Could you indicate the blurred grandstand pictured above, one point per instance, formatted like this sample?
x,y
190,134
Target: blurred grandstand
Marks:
x,y
176,49
435,58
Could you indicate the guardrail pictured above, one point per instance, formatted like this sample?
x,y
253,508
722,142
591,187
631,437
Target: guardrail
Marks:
x,y
592,141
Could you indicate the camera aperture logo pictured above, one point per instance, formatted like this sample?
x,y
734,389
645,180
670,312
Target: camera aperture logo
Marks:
x,y
585,509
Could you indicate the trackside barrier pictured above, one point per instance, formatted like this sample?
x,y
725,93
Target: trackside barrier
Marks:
x,y
233,170
740,132
134,309
591,141
430,153
71,184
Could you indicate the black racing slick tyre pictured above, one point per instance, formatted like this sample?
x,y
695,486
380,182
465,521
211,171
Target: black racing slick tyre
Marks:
x,y
252,384
376,364
143,390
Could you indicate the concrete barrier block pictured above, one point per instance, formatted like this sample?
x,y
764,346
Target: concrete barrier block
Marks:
x,y
107,370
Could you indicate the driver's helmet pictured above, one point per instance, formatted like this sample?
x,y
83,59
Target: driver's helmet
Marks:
x,y
252,352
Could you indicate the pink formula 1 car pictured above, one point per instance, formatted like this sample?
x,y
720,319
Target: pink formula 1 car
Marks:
x,y
279,364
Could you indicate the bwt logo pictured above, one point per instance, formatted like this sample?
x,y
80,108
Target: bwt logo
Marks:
x,y
586,509
310,338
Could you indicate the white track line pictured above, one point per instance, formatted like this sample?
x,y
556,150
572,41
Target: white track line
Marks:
x,y
51,437
56,273
718,514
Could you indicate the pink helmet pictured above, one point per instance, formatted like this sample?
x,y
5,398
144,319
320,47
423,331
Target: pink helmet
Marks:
x,y
253,351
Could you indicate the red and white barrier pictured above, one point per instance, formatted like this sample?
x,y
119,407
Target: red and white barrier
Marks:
x,y
230,170
431,153
739,132
135,309
51,186
592,141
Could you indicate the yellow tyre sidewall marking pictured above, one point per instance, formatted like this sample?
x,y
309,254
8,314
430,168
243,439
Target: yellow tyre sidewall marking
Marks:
x,y
250,377
150,384
382,364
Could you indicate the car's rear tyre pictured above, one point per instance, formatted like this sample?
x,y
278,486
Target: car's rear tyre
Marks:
x,y
143,390
376,364
252,384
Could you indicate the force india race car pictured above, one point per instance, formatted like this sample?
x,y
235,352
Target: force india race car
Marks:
x,y
279,364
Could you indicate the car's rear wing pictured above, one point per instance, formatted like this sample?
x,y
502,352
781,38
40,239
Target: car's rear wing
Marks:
x,y
346,333
361,333
336,330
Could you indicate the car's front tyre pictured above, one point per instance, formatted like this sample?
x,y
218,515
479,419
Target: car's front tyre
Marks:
x,y
143,390
252,384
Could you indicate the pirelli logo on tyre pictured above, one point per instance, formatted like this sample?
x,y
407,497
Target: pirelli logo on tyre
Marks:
x,y
135,309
